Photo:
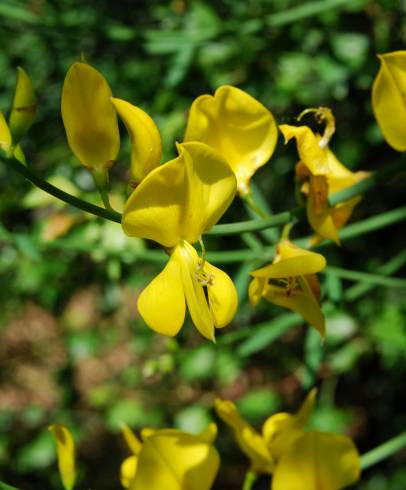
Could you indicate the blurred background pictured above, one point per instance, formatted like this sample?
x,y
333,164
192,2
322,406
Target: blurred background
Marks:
x,y
73,349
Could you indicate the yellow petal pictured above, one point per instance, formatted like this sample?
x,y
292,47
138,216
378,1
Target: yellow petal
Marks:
x,y
223,299
162,303
65,448
256,289
237,126
175,460
128,470
131,439
317,461
154,209
250,442
89,117
321,222
210,187
310,153
209,434
5,135
388,98
301,301
146,145
291,261
24,106
282,429
188,261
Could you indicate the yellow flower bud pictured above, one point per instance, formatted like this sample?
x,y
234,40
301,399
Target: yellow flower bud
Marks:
x,y
24,106
89,117
65,448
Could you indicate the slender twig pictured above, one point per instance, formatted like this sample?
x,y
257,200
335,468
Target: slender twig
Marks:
x,y
378,279
383,451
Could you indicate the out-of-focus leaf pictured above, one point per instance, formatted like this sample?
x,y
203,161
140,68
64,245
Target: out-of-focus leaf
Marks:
x,y
259,403
193,418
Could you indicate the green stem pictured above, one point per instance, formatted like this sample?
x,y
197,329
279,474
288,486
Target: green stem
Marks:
x,y
393,282
250,478
101,179
249,200
383,451
14,164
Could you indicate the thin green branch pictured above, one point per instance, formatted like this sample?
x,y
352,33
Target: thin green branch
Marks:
x,y
366,277
309,9
14,164
249,480
383,451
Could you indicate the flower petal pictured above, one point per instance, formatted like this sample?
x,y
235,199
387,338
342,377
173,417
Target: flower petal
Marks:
x,y
310,153
131,439
89,117
237,126
146,145
291,261
188,260
250,442
316,461
301,301
65,448
154,209
162,303
388,99
321,222
5,135
210,187
223,299
128,470
256,289
176,460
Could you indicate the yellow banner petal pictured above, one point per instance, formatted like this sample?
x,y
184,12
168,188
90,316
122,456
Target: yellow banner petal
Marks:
x,y
310,153
5,135
237,126
65,448
162,303
154,209
24,106
146,145
176,461
223,299
250,442
291,261
388,98
89,117
317,461
321,222
210,187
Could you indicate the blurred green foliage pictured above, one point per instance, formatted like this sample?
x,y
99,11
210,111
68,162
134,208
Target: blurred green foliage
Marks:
x,y
73,348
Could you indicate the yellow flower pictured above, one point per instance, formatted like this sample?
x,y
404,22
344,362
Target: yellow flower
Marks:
x,y
323,175
298,460
388,98
174,205
290,281
170,459
317,461
89,117
66,454
146,145
237,126
278,431
24,106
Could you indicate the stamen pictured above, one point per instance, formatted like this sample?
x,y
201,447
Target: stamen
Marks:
x,y
322,115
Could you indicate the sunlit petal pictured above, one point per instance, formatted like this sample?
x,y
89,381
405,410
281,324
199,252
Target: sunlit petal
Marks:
x,y
237,126
128,470
251,443
89,117
65,448
146,145
388,98
310,153
24,106
162,303
317,461
223,299
154,209
5,135
210,187
175,461
291,261
321,222
196,300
